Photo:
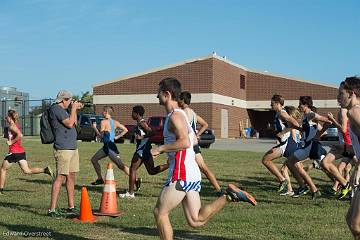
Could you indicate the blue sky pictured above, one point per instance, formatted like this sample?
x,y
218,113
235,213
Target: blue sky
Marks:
x,y
49,45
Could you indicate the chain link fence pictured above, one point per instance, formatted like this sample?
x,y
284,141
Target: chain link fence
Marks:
x,y
29,114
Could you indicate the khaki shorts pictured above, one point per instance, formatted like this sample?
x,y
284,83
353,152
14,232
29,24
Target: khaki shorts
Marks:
x,y
66,161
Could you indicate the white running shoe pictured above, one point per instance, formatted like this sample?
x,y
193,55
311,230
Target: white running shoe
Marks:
x,y
126,195
287,194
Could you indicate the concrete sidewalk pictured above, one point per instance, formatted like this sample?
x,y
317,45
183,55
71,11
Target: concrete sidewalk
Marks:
x,y
252,144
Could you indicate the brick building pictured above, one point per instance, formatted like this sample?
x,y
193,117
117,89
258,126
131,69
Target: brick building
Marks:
x,y
224,93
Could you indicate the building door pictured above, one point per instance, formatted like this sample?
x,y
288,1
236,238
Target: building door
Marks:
x,y
224,123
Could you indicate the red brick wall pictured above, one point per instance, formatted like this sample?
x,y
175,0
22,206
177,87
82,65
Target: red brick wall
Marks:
x,y
213,76
195,77
263,87
226,80
210,112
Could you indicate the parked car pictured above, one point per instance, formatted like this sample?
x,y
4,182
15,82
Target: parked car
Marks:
x,y
156,123
130,135
207,138
331,134
84,127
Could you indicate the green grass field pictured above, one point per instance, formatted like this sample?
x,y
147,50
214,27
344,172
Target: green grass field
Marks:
x,y
24,206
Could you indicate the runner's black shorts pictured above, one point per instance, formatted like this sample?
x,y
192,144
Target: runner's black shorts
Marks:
x,y
15,157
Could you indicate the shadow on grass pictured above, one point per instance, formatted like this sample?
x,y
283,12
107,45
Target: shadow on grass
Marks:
x,y
17,190
20,207
37,181
31,231
149,231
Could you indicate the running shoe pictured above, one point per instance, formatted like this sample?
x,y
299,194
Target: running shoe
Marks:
x,y
127,195
221,192
71,211
301,191
344,191
316,195
49,172
98,182
330,191
138,184
234,194
287,193
282,186
54,213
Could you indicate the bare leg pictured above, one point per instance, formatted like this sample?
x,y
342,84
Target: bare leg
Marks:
x,y
291,164
341,169
267,161
150,166
300,169
347,171
4,167
135,164
55,190
27,170
196,215
353,216
285,173
70,184
327,164
208,173
169,198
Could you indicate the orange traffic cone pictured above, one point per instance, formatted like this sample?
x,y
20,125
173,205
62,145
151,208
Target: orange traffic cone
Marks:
x,y
85,208
108,205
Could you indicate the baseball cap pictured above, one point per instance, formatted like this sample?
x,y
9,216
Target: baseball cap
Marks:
x,y
63,94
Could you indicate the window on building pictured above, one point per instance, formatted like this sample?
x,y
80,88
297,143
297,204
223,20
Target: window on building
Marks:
x,y
242,81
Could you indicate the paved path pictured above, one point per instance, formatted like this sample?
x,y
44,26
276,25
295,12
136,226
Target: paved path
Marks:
x,y
251,145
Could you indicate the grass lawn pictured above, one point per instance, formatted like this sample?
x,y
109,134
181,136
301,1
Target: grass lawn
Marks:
x,y
26,200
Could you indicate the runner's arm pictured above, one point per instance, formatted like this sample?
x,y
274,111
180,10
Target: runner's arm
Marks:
x,y
148,130
177,125
124,130
204,125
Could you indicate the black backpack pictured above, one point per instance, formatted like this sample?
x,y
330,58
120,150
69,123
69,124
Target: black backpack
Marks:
x,y
46,131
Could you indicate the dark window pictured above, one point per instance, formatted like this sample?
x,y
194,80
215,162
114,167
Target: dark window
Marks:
x,y
155,122
242,81
85,120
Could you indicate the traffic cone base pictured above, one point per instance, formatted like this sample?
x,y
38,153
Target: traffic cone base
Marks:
x,y
108,205
93,219
85,208
117,214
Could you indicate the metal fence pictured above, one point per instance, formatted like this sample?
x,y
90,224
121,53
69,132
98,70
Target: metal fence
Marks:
x,y
29,114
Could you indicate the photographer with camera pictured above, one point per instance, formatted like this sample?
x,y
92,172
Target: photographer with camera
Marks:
x,y
65,149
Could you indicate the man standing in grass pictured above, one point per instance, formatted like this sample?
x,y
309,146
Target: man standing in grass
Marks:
x,y
65,149
184,180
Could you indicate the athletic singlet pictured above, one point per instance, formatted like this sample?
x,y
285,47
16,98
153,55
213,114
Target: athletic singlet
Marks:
x,y
109,138
280,125
140,131
16,147
191,117
182,163
309,128
355,141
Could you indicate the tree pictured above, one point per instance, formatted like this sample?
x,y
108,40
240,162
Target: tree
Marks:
x,y
87,99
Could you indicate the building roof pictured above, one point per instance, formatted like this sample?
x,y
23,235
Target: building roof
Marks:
x,y
223,59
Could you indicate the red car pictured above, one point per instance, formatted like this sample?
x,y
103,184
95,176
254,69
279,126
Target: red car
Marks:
x,y
156,123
